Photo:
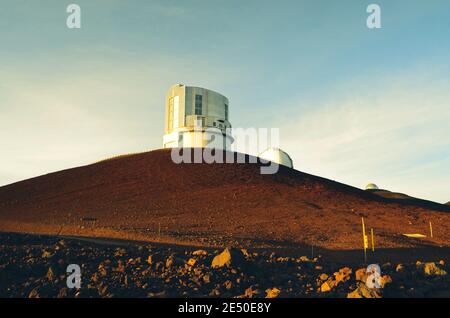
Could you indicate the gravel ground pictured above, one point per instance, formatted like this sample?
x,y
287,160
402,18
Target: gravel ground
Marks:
x,y
35,266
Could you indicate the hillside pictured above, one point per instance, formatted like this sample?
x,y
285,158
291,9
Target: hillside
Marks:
x,y
148,197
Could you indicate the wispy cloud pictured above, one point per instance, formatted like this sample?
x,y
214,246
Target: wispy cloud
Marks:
x,y
396,136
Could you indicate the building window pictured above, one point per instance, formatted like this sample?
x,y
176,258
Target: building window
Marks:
x,y
198,104
176,106
226,112
170,123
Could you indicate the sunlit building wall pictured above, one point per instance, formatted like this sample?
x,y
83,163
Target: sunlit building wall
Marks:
x,y
196,117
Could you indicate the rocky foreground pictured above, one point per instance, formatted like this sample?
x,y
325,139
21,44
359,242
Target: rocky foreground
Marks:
x,y
35,266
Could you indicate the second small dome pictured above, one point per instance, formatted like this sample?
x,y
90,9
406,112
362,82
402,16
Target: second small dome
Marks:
x,y
277,155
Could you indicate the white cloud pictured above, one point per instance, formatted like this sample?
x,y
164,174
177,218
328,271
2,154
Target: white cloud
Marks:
x,y
396,136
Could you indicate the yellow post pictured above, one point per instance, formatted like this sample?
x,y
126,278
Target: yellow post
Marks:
x,y
373,241
431,230
364,240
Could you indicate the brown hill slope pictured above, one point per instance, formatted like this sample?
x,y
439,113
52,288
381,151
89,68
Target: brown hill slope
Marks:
x,y
404,198
148,197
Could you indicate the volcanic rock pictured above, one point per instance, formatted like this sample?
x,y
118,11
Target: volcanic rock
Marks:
x,y
272,292
362,291
200,253
430,269
229,257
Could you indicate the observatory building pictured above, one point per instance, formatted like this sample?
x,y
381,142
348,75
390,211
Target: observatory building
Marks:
x,y
372,186
277,155
196,117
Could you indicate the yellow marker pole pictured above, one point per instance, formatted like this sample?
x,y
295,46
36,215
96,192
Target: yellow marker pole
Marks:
x,y
431,230
373,241
364,239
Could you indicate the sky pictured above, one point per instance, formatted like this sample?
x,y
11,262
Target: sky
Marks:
x,y
353,104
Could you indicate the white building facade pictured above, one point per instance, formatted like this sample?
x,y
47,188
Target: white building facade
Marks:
x,y
196,117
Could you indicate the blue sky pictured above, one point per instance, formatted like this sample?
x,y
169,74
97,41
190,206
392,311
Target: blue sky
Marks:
x,y
353,104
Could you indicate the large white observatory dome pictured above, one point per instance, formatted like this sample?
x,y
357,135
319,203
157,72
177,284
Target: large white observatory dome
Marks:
x,y
196,117
372,186
277,155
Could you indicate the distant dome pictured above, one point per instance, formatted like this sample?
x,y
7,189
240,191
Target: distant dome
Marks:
x,y
372,186
277,155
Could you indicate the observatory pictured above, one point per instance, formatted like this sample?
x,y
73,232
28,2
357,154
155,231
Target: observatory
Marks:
x,y
372,186
196,117
277,155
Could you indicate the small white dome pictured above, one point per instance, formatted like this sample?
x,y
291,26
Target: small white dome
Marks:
x,y
372,186
277,155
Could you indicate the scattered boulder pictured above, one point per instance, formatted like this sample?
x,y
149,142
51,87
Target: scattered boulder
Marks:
x,y
385,279
362,291
272,292
46,254
250,292
102,270
191,262
327,286
50,275
34,294
173,261
303,259
228,284
206,278
360,275
120,252
430,269
157,295
215,292
343,275
246,254
229,257
199,253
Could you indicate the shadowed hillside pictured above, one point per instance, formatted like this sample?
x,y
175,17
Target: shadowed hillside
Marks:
x,y
404,198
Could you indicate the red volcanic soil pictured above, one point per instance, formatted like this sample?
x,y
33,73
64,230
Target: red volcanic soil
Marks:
x,y
148,197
